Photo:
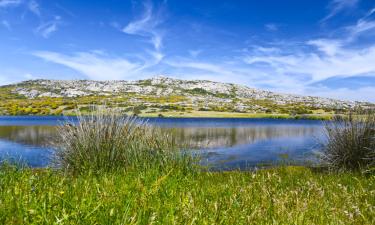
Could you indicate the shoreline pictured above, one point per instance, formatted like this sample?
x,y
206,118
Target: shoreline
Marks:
x,y
207,115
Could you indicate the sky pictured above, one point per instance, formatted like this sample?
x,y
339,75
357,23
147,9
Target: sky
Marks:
x,y
320,48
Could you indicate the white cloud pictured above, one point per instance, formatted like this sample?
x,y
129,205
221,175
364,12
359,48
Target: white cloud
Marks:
x,y
261,49
336,61
322,58
209,67
34,7
157,57
271,27
363,94
363,26
195,53
325,58
146,26
9,3
46,29
6,24
327,46
297,66
95,66
221,71
31,5
337,6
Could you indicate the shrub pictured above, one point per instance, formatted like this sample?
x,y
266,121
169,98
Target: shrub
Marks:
x,y
107,141
198,91
350,142
138,109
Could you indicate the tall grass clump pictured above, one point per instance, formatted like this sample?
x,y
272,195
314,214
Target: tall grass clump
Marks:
x,y
350,142
107,141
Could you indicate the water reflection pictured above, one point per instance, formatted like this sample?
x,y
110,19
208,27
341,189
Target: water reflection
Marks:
x,y
222,143
290,150
193,137
28,135
229,137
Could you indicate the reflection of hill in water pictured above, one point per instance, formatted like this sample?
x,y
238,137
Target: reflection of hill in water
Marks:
x,y
30,135
194,137
226,137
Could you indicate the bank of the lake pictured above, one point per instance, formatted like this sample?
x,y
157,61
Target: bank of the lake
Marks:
x,y
285,195
203,114
227,115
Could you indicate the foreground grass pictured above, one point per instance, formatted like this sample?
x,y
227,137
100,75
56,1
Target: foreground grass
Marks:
x,y
286,195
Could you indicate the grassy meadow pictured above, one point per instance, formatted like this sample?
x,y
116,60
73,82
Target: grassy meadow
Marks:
x,y
284,195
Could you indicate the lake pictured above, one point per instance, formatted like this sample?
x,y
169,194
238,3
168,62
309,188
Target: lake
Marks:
x,y
221,143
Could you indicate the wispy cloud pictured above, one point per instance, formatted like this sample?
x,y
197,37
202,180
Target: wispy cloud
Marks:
x,y
6,24
156,57
363,26
9,3
337,6
325,57
208,67
330,47
333,62
314,61
195,53
31,5
363,94
34,7
46,29
271,27
233,72
147,26
98,65
95,65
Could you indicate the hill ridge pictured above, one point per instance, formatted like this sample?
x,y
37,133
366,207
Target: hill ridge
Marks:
x,y
161,92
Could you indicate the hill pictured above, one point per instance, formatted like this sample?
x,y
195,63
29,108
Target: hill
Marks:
x,y
159,95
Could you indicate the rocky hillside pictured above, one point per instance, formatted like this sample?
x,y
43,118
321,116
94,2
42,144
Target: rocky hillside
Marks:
x,y
173,94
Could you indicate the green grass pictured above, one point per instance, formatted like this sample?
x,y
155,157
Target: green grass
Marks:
x,y
285,195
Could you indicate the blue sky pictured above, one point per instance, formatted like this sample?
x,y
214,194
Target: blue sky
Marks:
x,y
322,48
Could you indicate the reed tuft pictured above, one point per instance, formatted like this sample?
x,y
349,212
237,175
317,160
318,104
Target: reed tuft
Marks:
x,y
107,141
350,142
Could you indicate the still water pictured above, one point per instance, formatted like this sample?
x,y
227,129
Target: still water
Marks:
x,y
221,143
